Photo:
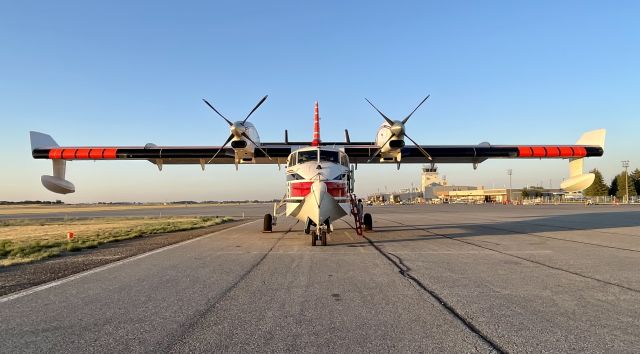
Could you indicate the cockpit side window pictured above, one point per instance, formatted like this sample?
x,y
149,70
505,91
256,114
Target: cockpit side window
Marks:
x,y
306,156
329,156
344,160
292,160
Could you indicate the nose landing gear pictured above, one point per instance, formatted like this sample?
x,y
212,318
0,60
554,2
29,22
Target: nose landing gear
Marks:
x,y
319,235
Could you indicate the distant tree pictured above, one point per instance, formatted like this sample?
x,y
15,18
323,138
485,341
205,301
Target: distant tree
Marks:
x,y
598,188
532,192
622,191
613,189
635,177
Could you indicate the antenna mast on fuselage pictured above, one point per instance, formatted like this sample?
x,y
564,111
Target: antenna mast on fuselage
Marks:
x,y
316,126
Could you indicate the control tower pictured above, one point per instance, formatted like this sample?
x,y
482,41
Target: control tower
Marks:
x,y
430,177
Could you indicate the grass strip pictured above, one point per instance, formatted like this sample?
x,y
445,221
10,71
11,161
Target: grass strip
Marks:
x,y
22,248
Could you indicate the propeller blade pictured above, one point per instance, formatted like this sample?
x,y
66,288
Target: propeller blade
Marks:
x,y
256,107
220,149
215,110
380,148
258,146
420,104
425,153
382,114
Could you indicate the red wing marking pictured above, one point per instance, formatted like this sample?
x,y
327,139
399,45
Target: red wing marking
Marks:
x,y
553,151
525,151
96,153
539,151
580,151
68,154
82,153
566,151
55,153
110,153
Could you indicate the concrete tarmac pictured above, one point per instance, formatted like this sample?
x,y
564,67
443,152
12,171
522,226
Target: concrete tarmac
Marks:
x,y
450,278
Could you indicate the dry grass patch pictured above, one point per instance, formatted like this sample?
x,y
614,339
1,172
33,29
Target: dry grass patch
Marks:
x,y
27,240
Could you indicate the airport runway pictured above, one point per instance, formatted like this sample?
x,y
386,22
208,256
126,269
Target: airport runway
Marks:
x,y
450,278
239,210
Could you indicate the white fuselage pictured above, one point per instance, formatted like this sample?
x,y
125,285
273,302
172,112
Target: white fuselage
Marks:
x,y
318,185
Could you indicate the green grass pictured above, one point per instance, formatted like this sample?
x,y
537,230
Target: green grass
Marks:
x,y
16,251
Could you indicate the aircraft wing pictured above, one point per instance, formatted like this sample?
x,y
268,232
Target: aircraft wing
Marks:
x,y
201,155
474,153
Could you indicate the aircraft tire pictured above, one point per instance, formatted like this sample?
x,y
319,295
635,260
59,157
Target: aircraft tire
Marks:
x,y
313,238
323,238
267,226
368,222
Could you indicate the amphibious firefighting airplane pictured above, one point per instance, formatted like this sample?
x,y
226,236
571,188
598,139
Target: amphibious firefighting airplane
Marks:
x,y
319,174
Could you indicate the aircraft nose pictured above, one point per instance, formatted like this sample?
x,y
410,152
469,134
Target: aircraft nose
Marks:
x,y
318,189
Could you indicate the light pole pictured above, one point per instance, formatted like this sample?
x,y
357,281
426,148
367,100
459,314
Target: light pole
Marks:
x,y
625,164
509,172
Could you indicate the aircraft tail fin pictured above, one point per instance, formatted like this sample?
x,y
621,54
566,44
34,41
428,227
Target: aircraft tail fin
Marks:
x,y
316,126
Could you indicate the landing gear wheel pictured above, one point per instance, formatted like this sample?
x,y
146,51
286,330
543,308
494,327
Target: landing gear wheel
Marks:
x,y
323,238
313,238
367,220
267,226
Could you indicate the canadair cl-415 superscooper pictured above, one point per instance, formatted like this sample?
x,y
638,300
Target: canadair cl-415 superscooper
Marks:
x,y
319,174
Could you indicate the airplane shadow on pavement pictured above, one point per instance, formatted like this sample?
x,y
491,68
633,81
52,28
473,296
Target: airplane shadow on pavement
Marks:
x,y
600,222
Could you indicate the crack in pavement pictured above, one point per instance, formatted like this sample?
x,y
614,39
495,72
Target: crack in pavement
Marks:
x,y
404,270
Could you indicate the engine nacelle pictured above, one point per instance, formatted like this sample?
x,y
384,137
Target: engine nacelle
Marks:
x,y
244,147
390,146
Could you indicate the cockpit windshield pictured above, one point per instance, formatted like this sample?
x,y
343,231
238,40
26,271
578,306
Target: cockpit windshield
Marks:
x,y
306,156
329,156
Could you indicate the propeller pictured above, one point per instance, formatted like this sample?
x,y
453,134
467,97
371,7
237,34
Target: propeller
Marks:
x,y
237,129
397,129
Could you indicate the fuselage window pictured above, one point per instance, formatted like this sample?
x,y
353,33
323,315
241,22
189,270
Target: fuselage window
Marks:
x,y
329,156
306,156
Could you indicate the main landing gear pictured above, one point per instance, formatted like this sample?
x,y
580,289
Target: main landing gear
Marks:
x,y
267,226
367,220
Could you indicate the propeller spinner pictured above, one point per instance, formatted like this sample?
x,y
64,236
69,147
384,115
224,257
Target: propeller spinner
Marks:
x,y
237,129
397,129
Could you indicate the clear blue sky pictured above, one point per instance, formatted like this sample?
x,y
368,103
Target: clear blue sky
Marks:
x,y
128,73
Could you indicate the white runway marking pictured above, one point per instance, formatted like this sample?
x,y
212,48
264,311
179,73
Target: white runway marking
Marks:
x,y
54,283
